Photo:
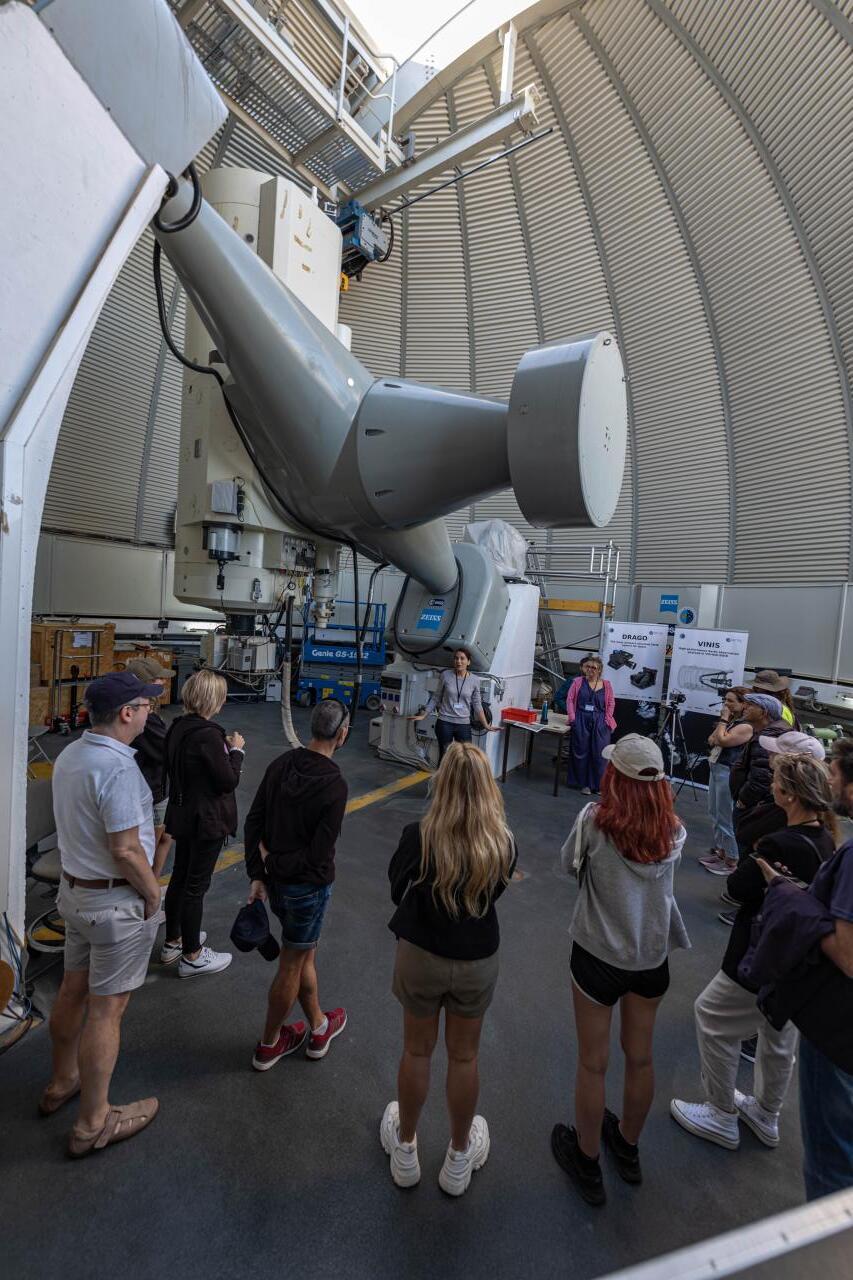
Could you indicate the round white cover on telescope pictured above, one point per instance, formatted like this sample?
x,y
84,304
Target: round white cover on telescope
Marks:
x,y
567,432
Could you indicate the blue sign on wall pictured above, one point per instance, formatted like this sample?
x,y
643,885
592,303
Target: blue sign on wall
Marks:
x,y
669,604
432,615
687,616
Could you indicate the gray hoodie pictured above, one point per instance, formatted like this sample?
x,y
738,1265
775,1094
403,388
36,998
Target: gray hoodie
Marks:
x,y
626,913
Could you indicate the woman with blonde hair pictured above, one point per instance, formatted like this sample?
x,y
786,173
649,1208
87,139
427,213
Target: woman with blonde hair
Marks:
x,y
446,875
203,764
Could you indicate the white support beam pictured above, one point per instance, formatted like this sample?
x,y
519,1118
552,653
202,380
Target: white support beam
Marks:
x,y
509,37
491,130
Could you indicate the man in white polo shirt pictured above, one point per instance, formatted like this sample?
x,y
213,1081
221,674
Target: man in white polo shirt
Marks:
x,y
109,897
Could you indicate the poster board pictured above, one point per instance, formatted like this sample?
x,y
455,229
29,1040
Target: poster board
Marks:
x,y
705,664
633,655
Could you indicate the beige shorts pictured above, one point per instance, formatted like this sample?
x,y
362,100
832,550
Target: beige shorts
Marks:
x,y
107,934
424,982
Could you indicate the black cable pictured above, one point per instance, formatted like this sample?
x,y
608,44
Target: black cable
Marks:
x,y
386,217
192,213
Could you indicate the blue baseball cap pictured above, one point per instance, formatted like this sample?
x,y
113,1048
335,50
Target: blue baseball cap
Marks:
x,y
116,689
251,929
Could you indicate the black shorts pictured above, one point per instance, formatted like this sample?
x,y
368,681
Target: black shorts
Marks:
x,y
605,984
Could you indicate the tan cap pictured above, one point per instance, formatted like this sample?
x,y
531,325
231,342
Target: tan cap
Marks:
x,y
637,757
146,670
768,681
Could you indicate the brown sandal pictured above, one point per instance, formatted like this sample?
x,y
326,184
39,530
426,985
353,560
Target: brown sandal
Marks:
x,y
49,1102
121,1122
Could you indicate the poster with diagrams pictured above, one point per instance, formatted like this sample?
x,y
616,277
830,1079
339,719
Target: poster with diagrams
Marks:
x,y
704,665
633,656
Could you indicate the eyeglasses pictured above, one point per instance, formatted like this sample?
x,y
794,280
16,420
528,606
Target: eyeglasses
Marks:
x,y
137,706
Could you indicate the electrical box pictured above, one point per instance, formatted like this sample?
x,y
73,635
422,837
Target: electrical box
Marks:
x,y
302,246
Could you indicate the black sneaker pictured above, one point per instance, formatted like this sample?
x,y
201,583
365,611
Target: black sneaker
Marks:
x,y
727,917
584,1173
748,1047
627,1157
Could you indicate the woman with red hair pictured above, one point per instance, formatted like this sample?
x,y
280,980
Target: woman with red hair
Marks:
x,y
624,852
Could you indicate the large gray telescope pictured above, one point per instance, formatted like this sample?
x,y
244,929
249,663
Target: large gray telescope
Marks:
x,y
378,461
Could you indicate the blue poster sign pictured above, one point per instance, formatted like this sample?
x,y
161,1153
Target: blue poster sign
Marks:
x,y
432,615
669,604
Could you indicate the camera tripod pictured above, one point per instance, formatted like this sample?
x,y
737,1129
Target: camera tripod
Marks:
x,y
672,742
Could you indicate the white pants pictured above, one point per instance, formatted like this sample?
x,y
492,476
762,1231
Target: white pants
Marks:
x,y
726,1014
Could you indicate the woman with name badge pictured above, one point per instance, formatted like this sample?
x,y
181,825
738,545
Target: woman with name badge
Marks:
x,y
457,696
589,710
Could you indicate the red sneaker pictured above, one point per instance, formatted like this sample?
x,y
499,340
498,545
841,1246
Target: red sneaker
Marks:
x,y
318,1046
289,1040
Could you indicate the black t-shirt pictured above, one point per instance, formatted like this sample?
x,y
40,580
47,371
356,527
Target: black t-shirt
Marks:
x,y
802,849
421,919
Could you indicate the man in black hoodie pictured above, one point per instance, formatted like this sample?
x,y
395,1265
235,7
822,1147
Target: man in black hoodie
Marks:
x,y
290,836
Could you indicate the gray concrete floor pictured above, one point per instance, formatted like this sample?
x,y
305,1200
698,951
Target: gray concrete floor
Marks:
x,y
282,1173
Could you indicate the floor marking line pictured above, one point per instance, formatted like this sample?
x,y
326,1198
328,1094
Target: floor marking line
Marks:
x,y
230,857
390,789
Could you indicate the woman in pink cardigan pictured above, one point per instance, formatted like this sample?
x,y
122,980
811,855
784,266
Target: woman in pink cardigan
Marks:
x,y
590,704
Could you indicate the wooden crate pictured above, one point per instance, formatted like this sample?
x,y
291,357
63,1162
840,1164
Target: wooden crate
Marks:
x,y
80,646
40,701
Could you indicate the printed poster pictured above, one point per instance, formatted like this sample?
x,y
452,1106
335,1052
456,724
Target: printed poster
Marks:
x,y
705,664
633,657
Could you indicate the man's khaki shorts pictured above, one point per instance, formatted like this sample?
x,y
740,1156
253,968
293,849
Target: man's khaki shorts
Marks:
x,y
107,934
424,982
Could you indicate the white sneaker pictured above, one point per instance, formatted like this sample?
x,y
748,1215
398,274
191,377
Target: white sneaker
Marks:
x,y
764,1124
172,951
459,1165
207,961
707,1121
405,1166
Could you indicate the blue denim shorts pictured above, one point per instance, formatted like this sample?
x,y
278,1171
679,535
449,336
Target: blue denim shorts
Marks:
x,y
300,909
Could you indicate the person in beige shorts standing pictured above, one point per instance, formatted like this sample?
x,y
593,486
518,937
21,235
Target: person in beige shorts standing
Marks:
x,y
109,898
446,875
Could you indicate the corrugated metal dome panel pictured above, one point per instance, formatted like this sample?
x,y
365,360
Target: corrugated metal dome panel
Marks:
x,y
96,467
371,306
682,527
436,315
779,365
502,312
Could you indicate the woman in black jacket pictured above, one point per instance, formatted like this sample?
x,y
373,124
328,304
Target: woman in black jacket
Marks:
x,y
726,1011
203,765
446,875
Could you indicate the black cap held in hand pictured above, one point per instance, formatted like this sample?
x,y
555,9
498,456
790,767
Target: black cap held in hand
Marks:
x,y
251,930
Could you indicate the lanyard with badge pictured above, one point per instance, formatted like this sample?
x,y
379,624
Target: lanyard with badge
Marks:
x,y
460,706
590,706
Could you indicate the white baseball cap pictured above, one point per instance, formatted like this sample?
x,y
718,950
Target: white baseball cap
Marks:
x,y
637,757
793,743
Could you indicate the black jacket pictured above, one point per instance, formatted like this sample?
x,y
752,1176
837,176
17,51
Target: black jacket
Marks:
x,y
421,920
150,748
203,775
802,849
750,776
297,812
